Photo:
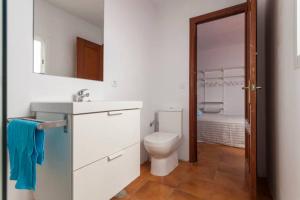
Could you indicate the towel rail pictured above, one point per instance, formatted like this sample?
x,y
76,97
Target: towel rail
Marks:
x,y
216,111
44,124
212,102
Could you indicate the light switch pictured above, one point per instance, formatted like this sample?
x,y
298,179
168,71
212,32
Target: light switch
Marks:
x,y
114,84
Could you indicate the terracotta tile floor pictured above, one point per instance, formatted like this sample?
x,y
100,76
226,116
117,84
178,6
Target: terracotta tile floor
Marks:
x,y
218,175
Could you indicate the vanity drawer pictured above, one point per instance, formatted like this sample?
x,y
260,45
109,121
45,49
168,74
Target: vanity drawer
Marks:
x,y
98,135
105,178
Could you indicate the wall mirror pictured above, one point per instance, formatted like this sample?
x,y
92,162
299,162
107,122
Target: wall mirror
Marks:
x,y
68,38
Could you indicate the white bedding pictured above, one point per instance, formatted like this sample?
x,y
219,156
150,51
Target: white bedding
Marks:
x,y
222,129
222,118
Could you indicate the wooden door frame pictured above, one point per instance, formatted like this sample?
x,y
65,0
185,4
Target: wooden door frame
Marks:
x,y
227,12
250,10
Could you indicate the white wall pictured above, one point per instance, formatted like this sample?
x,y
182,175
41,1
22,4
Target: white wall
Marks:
x,y
222,57
283,100
128,33
59,29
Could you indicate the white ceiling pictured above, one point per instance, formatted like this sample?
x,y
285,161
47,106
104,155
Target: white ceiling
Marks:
x,y
90,10
227,31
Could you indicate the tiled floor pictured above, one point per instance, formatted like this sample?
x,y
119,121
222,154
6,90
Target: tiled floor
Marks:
x,y
218,175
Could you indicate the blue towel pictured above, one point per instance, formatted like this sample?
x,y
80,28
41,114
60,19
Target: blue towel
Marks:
x,y
26,150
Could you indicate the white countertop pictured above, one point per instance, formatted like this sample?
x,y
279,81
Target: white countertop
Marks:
x,y
84,107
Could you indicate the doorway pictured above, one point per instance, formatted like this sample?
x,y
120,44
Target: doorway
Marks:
x,y
211,90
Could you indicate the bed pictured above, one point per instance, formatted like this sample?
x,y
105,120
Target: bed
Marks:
x,y
221,129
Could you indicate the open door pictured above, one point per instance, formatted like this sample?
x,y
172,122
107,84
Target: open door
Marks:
x,y
89,60
251,95
250,9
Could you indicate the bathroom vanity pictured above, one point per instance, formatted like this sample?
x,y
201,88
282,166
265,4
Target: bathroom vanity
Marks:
x,y
95,156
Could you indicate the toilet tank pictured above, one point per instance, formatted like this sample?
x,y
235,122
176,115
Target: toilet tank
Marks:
x,y
170,121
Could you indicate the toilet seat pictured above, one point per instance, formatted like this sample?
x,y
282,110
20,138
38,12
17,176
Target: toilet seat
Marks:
x,y
161,144
161,139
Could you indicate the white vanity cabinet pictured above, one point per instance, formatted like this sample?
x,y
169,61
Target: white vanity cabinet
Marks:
x,y
96,156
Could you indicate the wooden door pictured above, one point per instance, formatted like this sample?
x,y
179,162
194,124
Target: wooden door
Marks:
x,y
251,95
89,60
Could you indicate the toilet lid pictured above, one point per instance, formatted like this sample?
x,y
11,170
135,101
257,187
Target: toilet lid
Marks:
x,y
160,137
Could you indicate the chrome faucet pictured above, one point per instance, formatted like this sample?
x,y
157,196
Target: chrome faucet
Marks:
x,y
81,94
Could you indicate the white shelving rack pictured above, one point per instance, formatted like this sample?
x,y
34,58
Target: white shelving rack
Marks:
x,y
222,78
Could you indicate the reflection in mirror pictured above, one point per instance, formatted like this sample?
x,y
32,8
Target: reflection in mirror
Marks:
x,y
68,38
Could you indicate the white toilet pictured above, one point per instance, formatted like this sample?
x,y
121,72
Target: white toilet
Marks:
x,y
163,145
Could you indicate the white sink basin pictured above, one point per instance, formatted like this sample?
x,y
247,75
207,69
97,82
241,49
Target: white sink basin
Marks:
x,y
84,107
